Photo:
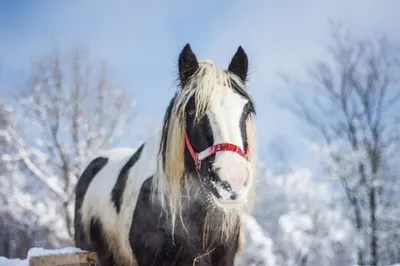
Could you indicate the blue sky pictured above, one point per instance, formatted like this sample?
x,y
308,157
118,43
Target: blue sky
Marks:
x,y
141,41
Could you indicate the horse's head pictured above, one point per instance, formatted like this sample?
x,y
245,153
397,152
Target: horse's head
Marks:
x,y
217,113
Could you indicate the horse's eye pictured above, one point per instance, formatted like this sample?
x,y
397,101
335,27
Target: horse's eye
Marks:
x,y
191,112
248,111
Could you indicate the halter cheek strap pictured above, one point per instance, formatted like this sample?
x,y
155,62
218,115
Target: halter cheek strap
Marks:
x,y
198,157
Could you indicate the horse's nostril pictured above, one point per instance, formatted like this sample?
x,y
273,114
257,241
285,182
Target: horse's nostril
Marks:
x,y
234,195
225,185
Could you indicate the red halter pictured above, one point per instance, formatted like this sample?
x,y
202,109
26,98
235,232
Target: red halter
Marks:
x,y
198,157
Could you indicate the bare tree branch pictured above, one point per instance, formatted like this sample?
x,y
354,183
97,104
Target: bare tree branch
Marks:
x,y
74,111
359,84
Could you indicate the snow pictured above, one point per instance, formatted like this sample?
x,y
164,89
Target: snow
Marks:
x,y
13,262
302,218
258,247
34,252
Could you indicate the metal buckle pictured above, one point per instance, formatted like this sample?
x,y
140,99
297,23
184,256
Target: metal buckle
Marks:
x,y
197,164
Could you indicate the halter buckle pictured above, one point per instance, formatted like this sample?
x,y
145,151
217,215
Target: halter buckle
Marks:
x,y
198,164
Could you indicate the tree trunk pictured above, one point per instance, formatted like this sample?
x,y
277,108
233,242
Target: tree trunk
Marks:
x,y
374,237
68,219
360,259
304,260
5,245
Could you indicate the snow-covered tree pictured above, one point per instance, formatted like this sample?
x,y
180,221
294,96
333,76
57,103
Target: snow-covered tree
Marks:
x,y
353,103
68,111
23,218
257,247
303,220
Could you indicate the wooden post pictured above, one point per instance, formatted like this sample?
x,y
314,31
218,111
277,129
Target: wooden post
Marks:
x,y
65,259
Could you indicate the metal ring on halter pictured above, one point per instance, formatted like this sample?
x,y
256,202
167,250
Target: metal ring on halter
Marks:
x,y
198,165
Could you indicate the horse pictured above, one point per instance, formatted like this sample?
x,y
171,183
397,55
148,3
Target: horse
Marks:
x,y
179,198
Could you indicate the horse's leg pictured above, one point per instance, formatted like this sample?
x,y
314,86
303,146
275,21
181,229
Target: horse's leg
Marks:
x,y
81,240
99,244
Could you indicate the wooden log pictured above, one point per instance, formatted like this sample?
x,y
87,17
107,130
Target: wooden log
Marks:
x,y
65,259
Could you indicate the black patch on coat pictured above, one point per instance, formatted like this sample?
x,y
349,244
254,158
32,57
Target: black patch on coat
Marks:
x,y
200,136
151,240
81,187
119,187
248,110
241,90
99,243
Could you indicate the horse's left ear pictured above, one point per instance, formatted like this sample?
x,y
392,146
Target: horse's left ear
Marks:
x,y
239,64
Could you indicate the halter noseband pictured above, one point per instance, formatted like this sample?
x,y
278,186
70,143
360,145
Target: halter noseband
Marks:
x,y
198,157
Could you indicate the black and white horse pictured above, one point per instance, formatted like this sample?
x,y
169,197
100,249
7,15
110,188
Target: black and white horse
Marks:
x,y
178,198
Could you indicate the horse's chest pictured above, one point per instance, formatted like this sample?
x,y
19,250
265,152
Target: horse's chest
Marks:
x,y
151,240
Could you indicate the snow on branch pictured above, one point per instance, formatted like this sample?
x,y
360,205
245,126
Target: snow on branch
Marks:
x,y
67,113
22,155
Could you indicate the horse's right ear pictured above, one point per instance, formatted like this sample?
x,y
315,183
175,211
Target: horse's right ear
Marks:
x,y
188,64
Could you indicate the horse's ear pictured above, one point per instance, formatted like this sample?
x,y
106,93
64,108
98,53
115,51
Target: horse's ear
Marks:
x,y
188,64
239,64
